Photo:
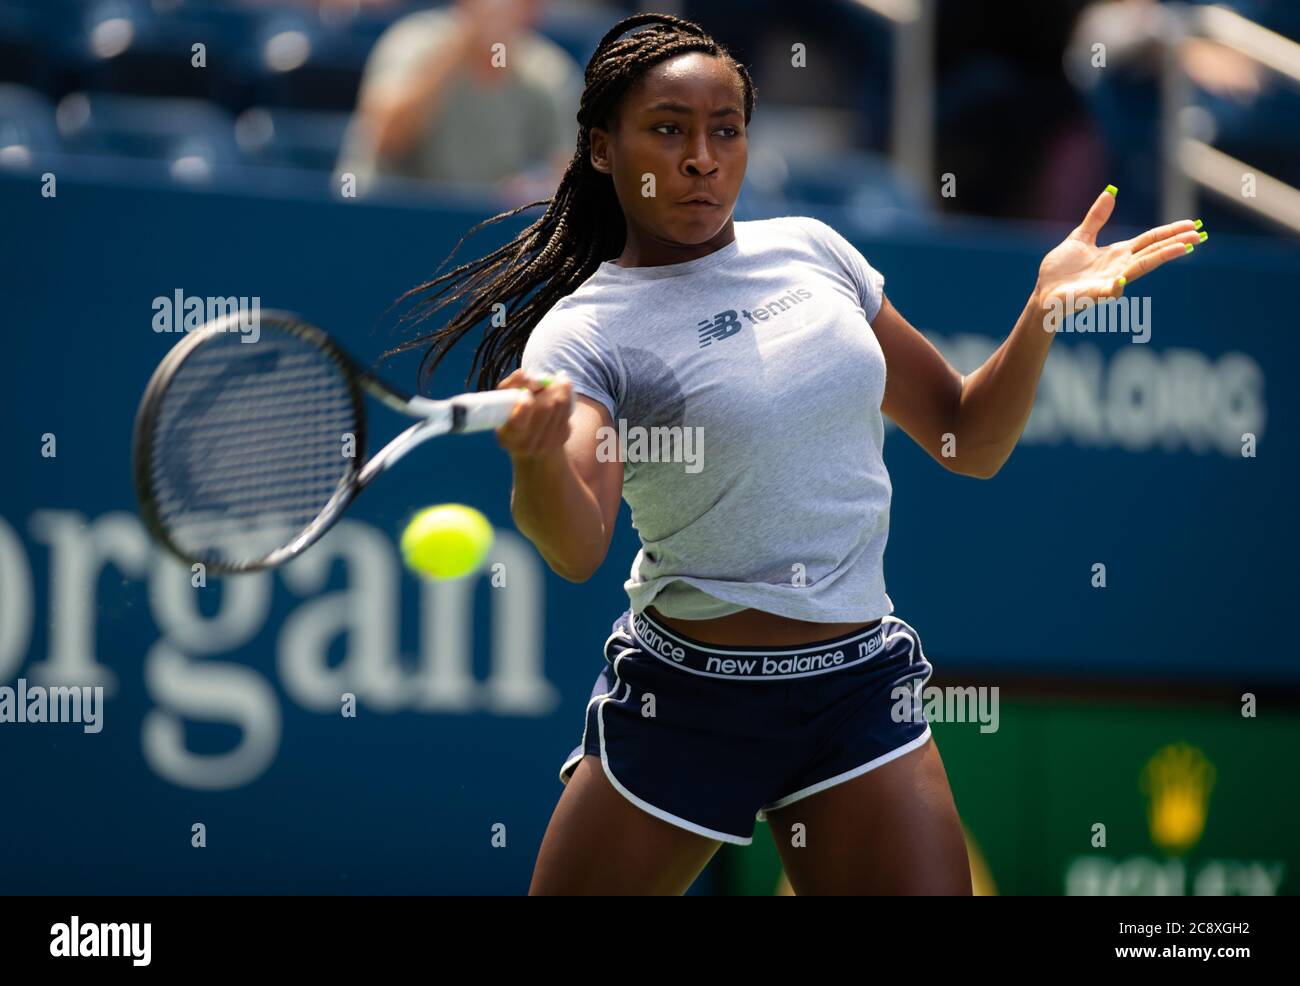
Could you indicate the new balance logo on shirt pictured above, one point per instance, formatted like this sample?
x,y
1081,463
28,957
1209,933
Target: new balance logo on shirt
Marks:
x,y
728,323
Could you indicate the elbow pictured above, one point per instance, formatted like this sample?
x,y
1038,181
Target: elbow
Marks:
x,y
575,575
575,570
988,472
573,557
580,569
975,468
987,469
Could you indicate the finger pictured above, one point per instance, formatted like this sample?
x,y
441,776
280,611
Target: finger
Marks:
x,y
529,383
1096,217
514,379
1158,258
522,378
539,382
520,419
545,434
559,393
531,427
562,387
1152,236
1191,236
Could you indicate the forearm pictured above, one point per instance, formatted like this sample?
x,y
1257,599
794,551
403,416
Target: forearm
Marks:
x,y
557,511
997,398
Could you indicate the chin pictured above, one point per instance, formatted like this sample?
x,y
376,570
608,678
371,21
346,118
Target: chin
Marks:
x,y
703,229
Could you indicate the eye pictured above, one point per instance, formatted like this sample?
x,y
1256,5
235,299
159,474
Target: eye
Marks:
x,y
727,131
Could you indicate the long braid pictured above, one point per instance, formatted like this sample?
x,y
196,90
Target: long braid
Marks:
x,y
583,225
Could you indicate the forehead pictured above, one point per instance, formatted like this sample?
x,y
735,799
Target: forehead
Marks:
x,y
698,80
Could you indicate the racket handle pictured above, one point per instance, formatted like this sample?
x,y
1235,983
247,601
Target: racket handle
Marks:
x,y
490,409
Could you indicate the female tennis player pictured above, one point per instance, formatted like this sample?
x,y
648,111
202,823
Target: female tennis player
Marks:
x,y
759,670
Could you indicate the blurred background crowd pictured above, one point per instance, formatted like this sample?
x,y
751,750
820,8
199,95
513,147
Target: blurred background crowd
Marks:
x,y
1021,106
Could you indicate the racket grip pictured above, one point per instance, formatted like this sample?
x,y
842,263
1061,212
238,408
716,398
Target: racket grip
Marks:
x,y
486,410
491,409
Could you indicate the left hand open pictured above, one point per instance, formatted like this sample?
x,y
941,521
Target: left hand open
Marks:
x,y
1079,271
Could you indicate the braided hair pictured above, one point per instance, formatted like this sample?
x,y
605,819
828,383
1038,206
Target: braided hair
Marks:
x,y
583,225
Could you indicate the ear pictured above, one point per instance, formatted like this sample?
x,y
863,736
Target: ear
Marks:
x,y
599,140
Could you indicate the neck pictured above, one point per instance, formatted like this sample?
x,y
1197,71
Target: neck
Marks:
x,y
643,250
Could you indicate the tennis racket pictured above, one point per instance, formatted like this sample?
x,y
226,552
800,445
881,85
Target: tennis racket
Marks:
x,y
246,453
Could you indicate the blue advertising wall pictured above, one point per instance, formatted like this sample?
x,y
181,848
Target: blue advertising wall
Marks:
x,y
223,704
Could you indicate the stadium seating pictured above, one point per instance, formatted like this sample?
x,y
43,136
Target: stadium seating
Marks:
x,y
192,137
308,139
276,85
26,126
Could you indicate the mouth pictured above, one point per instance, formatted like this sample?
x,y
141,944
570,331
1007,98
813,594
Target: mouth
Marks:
x,y
698,199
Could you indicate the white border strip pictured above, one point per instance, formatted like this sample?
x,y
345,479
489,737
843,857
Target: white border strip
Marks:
x,y
848,775
646,806
586,715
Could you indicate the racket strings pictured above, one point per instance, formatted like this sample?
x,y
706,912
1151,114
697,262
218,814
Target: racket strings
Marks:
x,y
250,445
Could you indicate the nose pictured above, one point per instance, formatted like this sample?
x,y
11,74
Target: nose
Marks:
x,y
699,161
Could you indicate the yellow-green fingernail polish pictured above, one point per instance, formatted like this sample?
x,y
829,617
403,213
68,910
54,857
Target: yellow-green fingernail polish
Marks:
x,y
1198,225
1123,281
1112,189
1204,237
1190,248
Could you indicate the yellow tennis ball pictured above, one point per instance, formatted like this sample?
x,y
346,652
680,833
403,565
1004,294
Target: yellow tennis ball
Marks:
x,y
446,541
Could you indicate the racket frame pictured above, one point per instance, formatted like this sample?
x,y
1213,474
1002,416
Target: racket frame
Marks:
x,y
468,412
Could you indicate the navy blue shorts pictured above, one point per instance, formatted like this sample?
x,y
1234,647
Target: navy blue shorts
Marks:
x,y
709,738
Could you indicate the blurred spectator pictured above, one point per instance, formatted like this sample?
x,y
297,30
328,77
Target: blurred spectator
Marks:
x,y
1242,107
440,103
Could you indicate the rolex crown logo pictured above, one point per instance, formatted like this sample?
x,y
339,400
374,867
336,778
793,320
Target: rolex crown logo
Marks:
x,y
1177,781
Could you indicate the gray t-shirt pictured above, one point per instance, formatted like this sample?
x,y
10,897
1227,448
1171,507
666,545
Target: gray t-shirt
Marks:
x,y
755,368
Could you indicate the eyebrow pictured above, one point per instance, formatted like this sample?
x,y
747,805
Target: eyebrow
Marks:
x,y
683,108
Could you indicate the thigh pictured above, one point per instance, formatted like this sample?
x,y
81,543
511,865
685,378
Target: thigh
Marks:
x,y
893,830
598,842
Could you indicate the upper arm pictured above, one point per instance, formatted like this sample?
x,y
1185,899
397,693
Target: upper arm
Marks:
x,y
603,478
575,347
922,389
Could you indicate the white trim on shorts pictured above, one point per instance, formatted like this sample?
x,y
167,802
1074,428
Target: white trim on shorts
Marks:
x,y
582,747
914,641
848,775
646,806
761,815
641,803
